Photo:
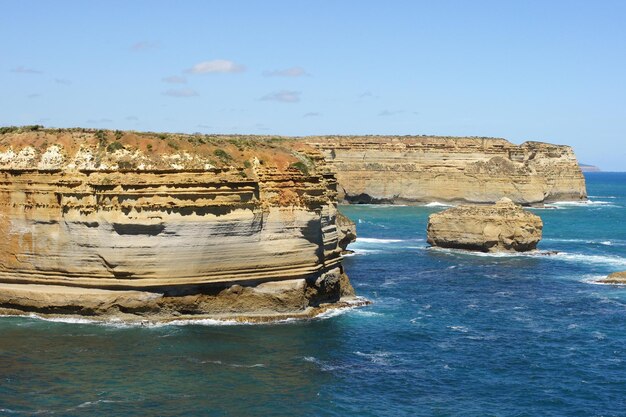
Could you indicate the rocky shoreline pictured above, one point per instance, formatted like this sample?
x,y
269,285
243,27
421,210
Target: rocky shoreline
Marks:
x,y
159,227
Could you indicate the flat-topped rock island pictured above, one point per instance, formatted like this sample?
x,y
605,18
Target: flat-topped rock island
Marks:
x,y
500,227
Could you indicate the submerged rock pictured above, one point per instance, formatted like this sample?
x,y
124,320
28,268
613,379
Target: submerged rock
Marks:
x,y
615,278
501,227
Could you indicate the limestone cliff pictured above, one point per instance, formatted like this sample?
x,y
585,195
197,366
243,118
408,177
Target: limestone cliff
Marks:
x,y
423,169
162,226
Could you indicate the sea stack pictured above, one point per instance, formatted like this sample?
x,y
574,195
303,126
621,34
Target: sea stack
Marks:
x,y
500,227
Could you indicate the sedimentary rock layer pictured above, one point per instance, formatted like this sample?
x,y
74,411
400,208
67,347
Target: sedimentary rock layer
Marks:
x,y
425,169
246,238
501,227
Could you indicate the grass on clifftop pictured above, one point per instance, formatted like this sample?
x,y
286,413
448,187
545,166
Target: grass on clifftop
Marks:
x,y
127,148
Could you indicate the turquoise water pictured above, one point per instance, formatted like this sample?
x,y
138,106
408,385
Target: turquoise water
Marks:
x,y
449,334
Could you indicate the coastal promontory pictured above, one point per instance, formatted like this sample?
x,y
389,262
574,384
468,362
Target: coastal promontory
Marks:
x,y
425,169
162,226
501,227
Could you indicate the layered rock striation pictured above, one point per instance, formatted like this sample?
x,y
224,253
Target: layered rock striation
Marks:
x,y
501,227
146,226
424,169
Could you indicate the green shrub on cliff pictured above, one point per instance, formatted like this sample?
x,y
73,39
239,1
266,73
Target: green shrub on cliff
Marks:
x,y
8,129
101,136
300,166
223,155
114,146
28,128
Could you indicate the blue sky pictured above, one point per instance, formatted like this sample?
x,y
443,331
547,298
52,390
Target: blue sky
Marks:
x,y
552,71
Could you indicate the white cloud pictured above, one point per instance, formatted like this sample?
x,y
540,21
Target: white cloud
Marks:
x,y
24,70
144,46
34,95
289,72
131,118
174,79
390,112
62,81
367,94
183,92
284,96
311,114
215,66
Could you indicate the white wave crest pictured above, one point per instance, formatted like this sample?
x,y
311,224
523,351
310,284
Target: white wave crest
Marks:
x,y
380,358
593,259
589,242
338,311
540,254
358,251
438,204
375,240
585,203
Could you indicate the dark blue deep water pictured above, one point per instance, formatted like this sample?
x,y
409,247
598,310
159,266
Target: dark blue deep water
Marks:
x,y
448,334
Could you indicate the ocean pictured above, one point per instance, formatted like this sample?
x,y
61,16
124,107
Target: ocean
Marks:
x,y
447,334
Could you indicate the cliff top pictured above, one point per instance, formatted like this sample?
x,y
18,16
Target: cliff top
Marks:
x,y
35,147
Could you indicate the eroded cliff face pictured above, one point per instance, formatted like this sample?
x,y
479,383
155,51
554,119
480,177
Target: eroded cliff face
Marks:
x,y
422,169
142,229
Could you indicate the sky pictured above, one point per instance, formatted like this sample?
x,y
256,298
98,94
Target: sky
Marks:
x,y
552,71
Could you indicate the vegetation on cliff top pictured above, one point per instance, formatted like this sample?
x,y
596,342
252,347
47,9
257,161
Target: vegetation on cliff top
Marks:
x,y
137,150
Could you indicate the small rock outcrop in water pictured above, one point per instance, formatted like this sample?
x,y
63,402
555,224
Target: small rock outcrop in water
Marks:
x,y
346,230
502,227
615,278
